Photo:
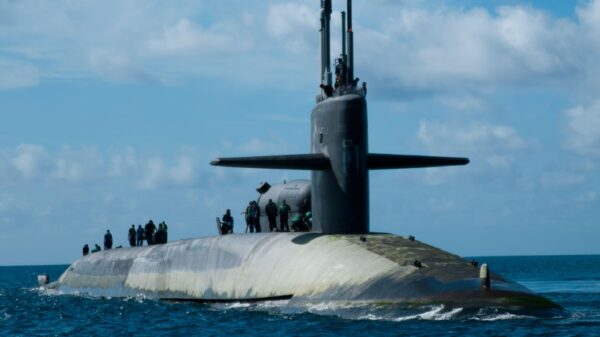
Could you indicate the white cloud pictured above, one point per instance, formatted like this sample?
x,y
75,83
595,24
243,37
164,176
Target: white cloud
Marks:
x,y
77,165
114,65
292,25
88,165
155,172
183,170
476,137
415,47
186,37
122,163
29,160
17,74
261,146
441,50
490,147
584,128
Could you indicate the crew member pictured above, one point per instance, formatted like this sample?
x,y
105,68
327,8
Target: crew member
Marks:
x,y
227,223
161,234
298,224
140,236
158,237
108,240
271,211
150,228
96,248
256,216
284,211
249,217
340,73
86,249
131,236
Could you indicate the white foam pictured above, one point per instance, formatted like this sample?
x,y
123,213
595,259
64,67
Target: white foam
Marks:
x,y
500,317
272,304
227,306
371,317
333,306
495,315
436,313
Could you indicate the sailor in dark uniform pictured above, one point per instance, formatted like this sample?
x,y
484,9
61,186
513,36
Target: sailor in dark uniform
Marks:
x,y
131,236
227,223
108,240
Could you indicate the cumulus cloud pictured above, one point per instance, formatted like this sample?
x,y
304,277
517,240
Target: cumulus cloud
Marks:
x,y
186,37
490,147
292,25
156,173
477,137
29,160
442,49
411,48
264,146
122,163
76,165
584,128
89,165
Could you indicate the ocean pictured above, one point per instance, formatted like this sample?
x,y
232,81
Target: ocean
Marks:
x,y
571,281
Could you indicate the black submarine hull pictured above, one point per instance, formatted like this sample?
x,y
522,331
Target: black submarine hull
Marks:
x,y
304,268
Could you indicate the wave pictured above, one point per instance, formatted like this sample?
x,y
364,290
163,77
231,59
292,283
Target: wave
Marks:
x,y
492,314
435,314
398,313
344,310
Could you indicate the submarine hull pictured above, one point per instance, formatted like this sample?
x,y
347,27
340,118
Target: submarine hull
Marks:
x,y
306,268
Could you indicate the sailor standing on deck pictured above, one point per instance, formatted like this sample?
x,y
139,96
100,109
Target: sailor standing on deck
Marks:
x,y
131,236
250,217
256,216
108,241
227,223
271,210
140,236
150,229
284,211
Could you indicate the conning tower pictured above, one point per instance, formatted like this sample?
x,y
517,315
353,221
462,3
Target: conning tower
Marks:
x,y
339,158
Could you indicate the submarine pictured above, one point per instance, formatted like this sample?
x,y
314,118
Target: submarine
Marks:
x,y
339,259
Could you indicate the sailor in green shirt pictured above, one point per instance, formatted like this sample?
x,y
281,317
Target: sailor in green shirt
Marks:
x,y
284,211
271,211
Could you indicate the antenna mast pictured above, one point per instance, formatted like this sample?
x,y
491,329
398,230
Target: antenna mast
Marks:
x,y
349,35
325,52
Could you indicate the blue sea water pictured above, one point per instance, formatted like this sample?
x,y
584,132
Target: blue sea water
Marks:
x,y
571,281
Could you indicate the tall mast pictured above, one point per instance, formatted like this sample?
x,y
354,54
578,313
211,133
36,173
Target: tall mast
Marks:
x,y
350,44
325,41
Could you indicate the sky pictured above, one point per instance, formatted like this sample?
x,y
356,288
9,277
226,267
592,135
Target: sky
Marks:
x,y
110,112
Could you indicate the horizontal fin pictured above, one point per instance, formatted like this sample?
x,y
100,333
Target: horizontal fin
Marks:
x,y
377,161
312,161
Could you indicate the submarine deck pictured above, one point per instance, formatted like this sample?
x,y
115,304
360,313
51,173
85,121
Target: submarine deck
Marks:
x,y
305,266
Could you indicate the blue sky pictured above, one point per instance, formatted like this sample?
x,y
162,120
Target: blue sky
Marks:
x,y
111,111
